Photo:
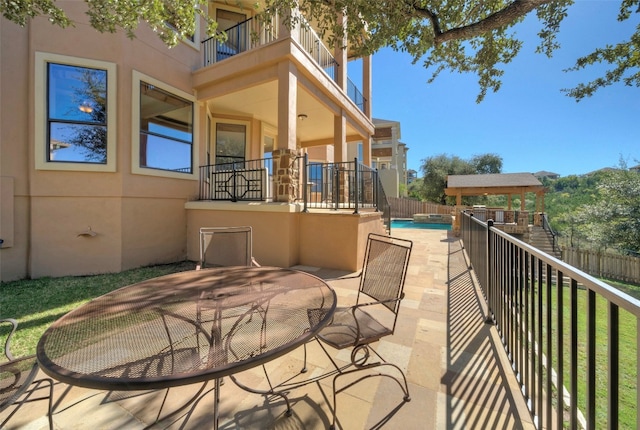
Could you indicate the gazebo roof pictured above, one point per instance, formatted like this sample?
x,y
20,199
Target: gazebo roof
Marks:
x,y
492,183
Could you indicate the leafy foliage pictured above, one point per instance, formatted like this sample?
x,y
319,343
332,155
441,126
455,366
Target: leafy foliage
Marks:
x,y
436,169
623,56
600,210
464,36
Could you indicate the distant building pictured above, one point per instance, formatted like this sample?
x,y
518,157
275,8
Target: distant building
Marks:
x,y
389,156
546,175
635,168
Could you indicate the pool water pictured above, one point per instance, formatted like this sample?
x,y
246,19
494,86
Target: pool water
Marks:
x,y
407,223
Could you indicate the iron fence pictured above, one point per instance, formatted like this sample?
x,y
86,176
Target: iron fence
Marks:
x,y
336,186
240,180
563,330
244,36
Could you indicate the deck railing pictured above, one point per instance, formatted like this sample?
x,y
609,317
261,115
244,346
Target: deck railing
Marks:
x,y
248,180
348,185
572,339
355,94
256,32
246,35
311,43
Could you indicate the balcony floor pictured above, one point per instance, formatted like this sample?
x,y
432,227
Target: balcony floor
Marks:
x,y
459,377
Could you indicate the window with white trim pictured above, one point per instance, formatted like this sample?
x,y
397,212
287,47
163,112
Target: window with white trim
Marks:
x,y
164,129
74,109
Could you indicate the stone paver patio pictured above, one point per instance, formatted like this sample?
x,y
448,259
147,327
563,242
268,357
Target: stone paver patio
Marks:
x,y
459,377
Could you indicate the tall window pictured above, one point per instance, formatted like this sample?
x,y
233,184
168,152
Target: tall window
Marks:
x,y
231,141
166,130
76,114
74,109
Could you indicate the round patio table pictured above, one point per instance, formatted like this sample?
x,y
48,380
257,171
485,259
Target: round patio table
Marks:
x,y
185,328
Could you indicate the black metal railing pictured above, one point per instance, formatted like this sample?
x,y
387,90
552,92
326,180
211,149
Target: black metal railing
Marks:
x,y
355,94
255,32
554,237
346,185
246,35
241,180
572,339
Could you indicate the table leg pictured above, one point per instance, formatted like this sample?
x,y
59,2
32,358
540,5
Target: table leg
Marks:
x,y
216,404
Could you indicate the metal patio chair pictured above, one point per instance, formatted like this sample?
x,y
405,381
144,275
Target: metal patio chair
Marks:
x,y
374,315
226,246
17,376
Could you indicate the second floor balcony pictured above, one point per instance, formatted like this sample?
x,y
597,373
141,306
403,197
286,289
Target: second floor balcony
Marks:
x,y
256,32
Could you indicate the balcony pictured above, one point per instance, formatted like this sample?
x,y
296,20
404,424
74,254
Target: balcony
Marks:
x,y
255,33
333,186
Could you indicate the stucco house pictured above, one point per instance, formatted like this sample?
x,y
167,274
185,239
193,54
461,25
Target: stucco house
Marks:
x,y
111,147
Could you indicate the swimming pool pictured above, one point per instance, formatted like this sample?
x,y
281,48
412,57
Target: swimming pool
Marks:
x,y
407,223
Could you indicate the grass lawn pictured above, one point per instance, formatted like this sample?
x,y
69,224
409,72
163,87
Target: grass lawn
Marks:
x,y
37,303
628,348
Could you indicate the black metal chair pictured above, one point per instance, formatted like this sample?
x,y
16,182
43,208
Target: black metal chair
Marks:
x,y
17,376
226,246
374,315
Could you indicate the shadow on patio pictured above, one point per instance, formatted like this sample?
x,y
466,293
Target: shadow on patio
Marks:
x,y
481,389
459,376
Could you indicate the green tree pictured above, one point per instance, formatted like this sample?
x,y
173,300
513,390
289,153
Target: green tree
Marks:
x,y
435,170
613,219
415,189
487,163
465,36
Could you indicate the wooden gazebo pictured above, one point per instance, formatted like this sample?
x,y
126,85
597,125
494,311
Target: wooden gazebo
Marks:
x,y
496,184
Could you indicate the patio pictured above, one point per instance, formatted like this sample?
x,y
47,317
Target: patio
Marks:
x,y
459,376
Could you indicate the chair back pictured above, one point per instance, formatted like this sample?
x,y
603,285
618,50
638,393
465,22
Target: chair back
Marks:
x,y
384,271
225,246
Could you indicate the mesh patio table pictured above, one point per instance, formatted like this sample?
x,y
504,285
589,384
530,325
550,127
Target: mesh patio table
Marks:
x,y
185,328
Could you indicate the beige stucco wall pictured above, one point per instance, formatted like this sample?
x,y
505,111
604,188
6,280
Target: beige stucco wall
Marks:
x,y
138,219
14,133
390,181
135,219
336,240
284,236
274,226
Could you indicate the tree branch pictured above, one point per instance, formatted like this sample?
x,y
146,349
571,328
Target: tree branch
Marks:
x,y
505,16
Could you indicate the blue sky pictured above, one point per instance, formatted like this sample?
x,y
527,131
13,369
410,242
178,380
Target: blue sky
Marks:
x,y
528,122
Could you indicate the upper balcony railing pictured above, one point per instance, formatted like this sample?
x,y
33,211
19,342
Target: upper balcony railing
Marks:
x,y
572,339
249,34
311,43
355,94
256,32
